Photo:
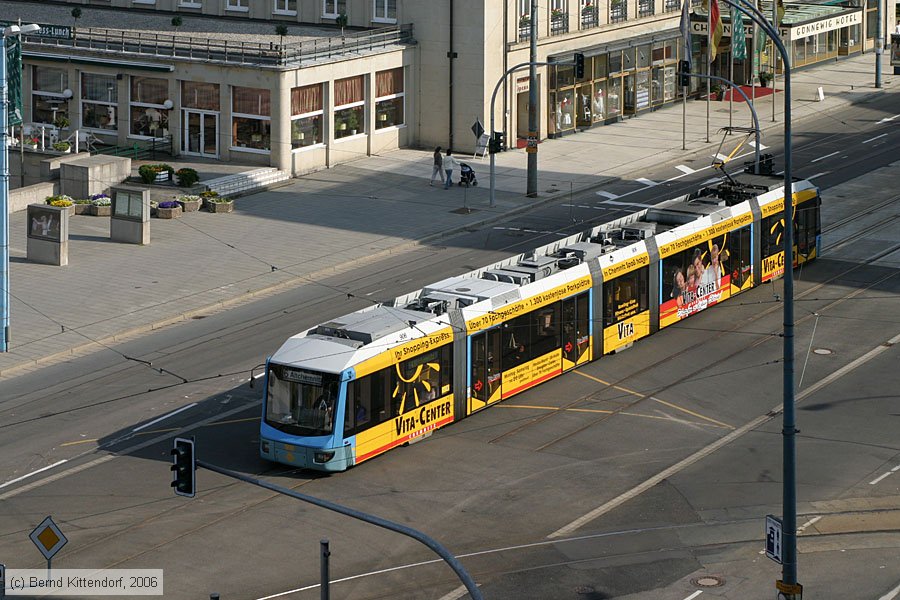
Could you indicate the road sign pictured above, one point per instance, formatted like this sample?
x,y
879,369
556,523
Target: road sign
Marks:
x,y
48,538
773,538
477,129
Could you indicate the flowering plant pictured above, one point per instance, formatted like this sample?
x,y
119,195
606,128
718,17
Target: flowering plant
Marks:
x,y
588,8
168,204
524,20
60,200
556,13
101,200
189,198
209,194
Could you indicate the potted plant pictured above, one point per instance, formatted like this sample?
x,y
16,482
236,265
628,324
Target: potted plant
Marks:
x,y
341,21
82,206
61,121
216,203
187,177
764,78
716,92
352,122
588,9
556,14
159,173
190,202
31,142
101,205
525,21
64,147
170,209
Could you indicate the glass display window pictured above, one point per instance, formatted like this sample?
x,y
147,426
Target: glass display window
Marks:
x,y
565,110
628,59
613,97
615,62
601,66
598,102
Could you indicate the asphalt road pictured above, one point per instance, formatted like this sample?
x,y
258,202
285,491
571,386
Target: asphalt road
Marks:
x,y
580,457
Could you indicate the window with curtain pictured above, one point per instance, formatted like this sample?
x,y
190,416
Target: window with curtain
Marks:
x,y
251,121
201,96
389,98
333,8
285,7
48,104
149,115
307,116
385,11
349,106
99,102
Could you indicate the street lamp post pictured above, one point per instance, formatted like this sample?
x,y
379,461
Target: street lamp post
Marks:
x,y
11,31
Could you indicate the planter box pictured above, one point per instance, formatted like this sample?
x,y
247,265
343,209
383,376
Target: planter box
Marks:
x,y
101,211
168,213
220,207
190,205
82,209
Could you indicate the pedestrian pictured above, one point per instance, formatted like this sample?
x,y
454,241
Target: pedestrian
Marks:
x,y
438,168
450,164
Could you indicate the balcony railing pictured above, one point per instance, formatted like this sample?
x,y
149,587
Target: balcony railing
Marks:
x,y
590,17
559,23
158,45
524,30
618,11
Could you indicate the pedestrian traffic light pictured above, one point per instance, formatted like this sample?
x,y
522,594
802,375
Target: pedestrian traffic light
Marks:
x,y
498,142
684,70
579,65
184,468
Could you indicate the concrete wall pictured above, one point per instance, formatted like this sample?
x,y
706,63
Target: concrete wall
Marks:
x,y
33,194
93,175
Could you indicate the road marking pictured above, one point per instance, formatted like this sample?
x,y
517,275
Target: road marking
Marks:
x,y
457,593
375,292
711,181
608,195
811,177
258,375
164,417
875,138
615,203
891,594
694,595
879,478
808,523
78,442
685,170
713,447
647,182
887,119
823,157
753,143
12,481
721,157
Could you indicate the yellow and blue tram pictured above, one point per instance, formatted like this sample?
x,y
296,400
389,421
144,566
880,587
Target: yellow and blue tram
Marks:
x,y
357,386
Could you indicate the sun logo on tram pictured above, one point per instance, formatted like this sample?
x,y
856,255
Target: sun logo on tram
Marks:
x,y
419,388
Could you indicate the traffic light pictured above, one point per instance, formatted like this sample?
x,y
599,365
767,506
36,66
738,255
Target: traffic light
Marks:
x,y
498,142
684,69
184,468
579,65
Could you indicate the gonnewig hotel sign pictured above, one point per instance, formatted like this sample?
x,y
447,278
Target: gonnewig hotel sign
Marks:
x,y
823,25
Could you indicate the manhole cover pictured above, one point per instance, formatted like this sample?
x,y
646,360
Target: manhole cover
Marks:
x,y
823,351
708,581
463,211
584,590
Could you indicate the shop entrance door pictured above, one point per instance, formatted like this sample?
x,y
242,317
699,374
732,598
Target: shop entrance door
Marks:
x,y
201,132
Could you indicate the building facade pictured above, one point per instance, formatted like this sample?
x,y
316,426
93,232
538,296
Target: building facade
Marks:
x,y
307,84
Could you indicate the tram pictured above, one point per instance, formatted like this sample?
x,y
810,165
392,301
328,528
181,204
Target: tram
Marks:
x,y
353,388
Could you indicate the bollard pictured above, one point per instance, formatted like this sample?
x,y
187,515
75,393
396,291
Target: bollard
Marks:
x,y
325,554
213,596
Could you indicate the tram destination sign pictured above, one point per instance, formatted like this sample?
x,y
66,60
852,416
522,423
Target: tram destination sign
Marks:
x,y
60,32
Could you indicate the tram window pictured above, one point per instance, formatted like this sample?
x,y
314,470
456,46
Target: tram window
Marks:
x,y
545,334
738,256
626,296
516,342
421,379
770,240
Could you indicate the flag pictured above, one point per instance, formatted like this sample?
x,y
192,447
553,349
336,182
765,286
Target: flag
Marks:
x,y
13,80
760,42
716,29
738,37
780,10
686,30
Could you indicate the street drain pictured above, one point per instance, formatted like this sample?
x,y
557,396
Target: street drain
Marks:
x,y
584,590
199,317
823,351
708,581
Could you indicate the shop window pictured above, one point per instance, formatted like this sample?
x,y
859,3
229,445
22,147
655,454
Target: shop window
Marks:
x,y
643,56
251,122
614,97
598,102
618,11
389,98
615,62
349,110
307,116
149,106
332,8
601,66
99,102
49,95
628,59
200,96
385,11
565,110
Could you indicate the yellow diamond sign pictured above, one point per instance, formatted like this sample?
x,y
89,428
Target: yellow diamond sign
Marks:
x,y
48,538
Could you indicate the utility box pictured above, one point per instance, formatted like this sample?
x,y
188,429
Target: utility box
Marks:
x,y
130,219
48,234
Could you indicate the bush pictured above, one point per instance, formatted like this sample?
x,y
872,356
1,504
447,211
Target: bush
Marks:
x,y
60,200
148,173
82,201
187,177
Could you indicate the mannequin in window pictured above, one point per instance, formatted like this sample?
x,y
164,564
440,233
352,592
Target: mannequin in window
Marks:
x,y
598,103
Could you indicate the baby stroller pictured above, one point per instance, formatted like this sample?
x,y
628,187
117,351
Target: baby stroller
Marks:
x,y
467,175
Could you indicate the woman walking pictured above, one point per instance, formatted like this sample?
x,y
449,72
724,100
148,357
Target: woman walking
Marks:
x,y
438,168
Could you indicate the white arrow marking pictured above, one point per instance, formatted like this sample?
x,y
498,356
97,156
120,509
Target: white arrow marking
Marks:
x,y
647,182
685,170
608,195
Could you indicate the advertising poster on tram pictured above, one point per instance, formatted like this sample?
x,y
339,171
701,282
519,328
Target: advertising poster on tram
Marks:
x,y
695,279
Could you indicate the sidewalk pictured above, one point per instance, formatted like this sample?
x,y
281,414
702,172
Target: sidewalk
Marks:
x,y
335,219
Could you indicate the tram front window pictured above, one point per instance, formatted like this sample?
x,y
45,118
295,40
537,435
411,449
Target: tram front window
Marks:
x,y
301,402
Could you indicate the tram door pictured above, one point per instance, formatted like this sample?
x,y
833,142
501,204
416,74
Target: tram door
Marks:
x,y
807,230
485,375
575,331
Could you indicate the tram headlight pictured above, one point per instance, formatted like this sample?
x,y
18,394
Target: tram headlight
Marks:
x,y
265,447
323,457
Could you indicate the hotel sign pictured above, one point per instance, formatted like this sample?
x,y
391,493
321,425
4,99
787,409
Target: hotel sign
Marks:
x,y
829,24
